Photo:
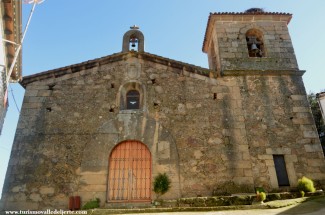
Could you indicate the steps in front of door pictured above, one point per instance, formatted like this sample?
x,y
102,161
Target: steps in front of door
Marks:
x,y
128,205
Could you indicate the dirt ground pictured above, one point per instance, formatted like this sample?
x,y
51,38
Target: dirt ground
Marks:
x,y
312,207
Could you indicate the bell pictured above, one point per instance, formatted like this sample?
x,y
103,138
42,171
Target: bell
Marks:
x,y
133,41
254,48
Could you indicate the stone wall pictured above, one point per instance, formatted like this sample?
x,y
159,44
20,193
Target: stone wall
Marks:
x,y
203,132
279,121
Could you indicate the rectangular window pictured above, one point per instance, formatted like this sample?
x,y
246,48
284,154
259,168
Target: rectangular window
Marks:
x,y
281,170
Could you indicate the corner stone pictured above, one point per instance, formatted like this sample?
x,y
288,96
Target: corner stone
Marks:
x,y
313,148
310,134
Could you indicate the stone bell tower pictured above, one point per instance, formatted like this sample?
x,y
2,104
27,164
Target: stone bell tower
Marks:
x,y
133,40
261,86
253,40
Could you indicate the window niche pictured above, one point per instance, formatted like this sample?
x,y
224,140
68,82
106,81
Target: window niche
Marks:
x,y
131,96
255,44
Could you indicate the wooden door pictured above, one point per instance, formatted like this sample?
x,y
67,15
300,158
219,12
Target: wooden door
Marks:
x,y
129,174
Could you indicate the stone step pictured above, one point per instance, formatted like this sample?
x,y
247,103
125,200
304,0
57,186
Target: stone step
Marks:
x,y
127,205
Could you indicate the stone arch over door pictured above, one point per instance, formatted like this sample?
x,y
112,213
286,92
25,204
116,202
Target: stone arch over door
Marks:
x,y
129,172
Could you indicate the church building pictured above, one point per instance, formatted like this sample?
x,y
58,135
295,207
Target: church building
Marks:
x,y
106,127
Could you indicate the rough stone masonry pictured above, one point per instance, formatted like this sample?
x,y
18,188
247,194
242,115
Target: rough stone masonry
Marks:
x,y
241,124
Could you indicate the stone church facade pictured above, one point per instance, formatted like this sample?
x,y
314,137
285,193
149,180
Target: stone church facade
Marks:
x,y
106,127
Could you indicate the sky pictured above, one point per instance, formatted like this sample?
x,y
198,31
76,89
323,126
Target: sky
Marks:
x,y
65,32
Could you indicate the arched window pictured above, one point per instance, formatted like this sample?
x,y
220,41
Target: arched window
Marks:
x,y
133,100
131,97
255,45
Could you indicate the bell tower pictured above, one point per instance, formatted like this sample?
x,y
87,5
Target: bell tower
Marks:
x,y
133,40
262,95
252,40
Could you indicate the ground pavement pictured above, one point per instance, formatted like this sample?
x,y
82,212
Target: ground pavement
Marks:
x,y
312,207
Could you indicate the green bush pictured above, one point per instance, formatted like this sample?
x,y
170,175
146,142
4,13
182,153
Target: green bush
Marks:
x,y
161,184
305,184
259,189
91,204
261,196
302,193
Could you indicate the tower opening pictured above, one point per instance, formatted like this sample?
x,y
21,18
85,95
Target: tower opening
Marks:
x,y
255,45
133,46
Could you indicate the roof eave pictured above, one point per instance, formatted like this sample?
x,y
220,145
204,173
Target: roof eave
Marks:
x,y
12,10
55,73
207,34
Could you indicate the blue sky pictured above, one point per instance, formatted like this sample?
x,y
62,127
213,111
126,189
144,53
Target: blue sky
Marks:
x,y
64,32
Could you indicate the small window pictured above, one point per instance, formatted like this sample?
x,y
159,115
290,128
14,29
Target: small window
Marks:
x,y
281,170
255,45
133,100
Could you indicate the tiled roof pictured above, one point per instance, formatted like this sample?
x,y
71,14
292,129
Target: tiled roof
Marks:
x,y
249,13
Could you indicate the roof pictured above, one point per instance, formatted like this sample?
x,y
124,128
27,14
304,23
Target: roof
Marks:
x,y
242,16
11,16
55,73
320,95
250,13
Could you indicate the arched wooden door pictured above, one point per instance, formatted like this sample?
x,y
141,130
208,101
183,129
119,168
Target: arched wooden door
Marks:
x,y
129,174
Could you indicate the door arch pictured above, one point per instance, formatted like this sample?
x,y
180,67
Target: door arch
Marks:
x,y
129,173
